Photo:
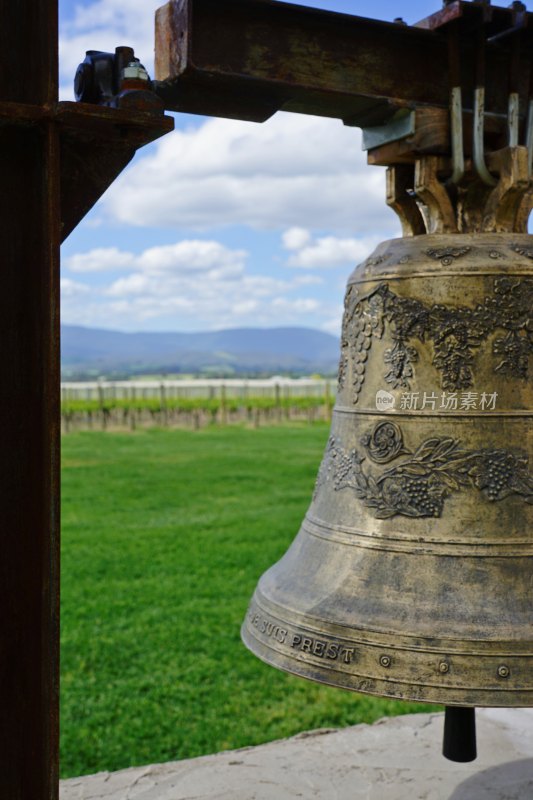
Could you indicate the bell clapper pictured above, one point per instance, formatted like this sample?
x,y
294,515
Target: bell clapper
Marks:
x,y
459,743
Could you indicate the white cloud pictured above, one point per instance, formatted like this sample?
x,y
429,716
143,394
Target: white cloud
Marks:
x,y
132,284
326,251
293,171
189,255
197,283
333,324
70,288
222,302
307,280
101,259
192,256
300,305
295,238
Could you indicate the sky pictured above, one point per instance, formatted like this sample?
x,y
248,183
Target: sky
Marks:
x,y
222,224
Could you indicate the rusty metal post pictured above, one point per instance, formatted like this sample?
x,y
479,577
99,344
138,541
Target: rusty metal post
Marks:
x,y
56,160
29,403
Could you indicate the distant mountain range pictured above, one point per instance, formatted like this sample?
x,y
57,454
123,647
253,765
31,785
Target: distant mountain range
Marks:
x,y
90,352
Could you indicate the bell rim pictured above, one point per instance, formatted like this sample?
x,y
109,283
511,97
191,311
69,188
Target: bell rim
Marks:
x,y
385,670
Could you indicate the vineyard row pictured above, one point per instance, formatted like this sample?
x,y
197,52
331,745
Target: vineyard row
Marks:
x,y
194,412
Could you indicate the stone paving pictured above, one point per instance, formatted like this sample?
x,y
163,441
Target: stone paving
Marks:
x,y
394,759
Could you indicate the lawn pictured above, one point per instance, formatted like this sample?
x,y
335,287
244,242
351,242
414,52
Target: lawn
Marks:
x,y
165,534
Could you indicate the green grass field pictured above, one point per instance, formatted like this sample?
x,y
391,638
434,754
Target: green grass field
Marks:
x,y
165,534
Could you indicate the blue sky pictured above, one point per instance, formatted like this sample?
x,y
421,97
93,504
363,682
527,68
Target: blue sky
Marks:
x,y
222,223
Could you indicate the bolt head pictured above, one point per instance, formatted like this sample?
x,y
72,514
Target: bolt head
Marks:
x,y
135,71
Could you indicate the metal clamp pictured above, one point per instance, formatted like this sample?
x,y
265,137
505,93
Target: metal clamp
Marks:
x,y
456,124
529,136
513,120
478,143
117,80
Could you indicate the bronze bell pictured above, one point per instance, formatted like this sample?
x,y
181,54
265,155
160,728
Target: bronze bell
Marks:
x,y
412,574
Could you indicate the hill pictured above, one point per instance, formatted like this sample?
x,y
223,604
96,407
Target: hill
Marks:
x,y
86,352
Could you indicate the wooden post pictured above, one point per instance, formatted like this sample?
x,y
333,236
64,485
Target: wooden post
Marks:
x,y
277,389
223,405
327,400
163,403
133,410
101,404
53,158
29,406
287,394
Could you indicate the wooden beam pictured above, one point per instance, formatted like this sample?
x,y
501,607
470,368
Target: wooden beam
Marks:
x,y
217,56
96,143
251,58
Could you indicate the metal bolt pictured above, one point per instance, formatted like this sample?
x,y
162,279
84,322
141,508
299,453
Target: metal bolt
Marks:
x,y
503,671
135,71
444,667
385,661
